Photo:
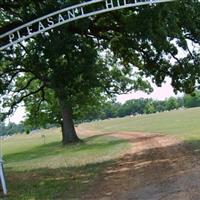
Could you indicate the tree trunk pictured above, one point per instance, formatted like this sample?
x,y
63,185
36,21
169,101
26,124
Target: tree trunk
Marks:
x,y
68,131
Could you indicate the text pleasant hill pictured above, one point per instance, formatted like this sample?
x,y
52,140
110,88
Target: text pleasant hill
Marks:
x,y
66,15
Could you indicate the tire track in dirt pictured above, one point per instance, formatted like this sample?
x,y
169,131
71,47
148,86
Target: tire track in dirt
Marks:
x,y
170,173
157,167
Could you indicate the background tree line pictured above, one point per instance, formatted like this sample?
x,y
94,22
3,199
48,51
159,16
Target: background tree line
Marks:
x,y
11,128
114,109
143,106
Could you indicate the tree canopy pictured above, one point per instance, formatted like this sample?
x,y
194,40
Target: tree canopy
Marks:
x,y
71,69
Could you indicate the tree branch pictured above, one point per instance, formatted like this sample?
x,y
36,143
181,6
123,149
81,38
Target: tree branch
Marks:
x,y
16,102
26,86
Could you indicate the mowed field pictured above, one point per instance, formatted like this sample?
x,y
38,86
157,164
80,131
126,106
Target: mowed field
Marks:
x,y
35,170
185,124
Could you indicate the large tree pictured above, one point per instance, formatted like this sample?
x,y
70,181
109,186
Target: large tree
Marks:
x,y
78,64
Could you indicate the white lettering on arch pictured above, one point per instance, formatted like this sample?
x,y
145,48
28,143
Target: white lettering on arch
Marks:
x,y
66,15
71,14
41,26
109,4
60,18
50,21
11,37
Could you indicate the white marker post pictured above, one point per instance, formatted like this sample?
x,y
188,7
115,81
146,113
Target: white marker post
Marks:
x,y
1,147
2,177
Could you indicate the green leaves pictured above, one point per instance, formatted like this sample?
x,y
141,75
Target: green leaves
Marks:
x,y
91,59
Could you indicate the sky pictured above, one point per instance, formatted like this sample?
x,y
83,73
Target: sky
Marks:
x,y
159,93
18,115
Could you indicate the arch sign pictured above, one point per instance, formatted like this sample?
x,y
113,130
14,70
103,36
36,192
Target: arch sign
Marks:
x,y
66,15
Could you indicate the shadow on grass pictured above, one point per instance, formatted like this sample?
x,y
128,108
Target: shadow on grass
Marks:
x,y
91,144
94,181
193,145
61,183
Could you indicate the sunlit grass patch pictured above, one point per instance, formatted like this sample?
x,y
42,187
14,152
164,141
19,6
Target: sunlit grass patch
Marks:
x,y
53,155
184,124
35,170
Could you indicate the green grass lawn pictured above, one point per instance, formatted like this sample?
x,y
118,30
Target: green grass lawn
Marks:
x,y
182,123
35,170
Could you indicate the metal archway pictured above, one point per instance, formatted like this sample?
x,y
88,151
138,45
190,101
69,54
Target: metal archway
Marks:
x,y
66,15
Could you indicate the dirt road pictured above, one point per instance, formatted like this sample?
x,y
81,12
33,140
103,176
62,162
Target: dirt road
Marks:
x,y
156,168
